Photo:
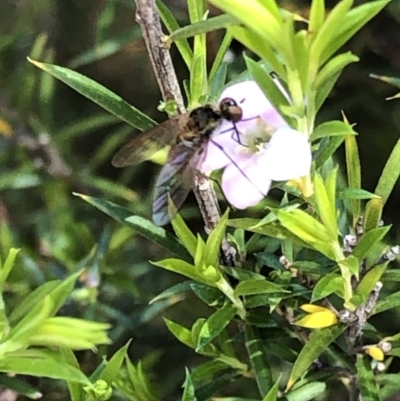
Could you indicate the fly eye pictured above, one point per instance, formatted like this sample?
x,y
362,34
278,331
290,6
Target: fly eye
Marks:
x,y
228,102
230,110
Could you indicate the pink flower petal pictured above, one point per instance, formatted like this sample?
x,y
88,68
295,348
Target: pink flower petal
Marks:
x,y
245,183
288,155
227,137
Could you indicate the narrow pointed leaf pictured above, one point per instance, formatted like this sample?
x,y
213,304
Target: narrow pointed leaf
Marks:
x,y
214,241
328,150
372,214
99,94
317,16
223,48
42,367
189,391
390,174
326,208
181,333
272,394
331,128
309,391
353,172
215,324
181,267
252,287
368,240
200,27
318,341
144,227
258,360
327,285
368,283
114,365
389,302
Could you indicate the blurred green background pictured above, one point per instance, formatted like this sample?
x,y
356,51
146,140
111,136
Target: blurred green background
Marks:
x,y
54,142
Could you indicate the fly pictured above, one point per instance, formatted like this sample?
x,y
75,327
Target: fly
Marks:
x,y
188,135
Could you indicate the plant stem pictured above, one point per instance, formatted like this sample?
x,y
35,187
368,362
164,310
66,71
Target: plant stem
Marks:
x,y
149,20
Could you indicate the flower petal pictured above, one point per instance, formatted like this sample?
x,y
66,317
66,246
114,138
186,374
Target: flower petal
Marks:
x,y
288,155
254,103
245,183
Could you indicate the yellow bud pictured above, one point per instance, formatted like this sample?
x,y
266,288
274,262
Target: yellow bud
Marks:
x,y
318,320
310,308
375,352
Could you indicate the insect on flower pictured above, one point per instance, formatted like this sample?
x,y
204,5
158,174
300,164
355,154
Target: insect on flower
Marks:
x,y
188,135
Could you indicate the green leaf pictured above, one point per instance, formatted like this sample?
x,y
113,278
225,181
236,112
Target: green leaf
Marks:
x,y
210,295
114,365
258,359
309,391
327,30
272,394
200,27
214,325
318,341
182,267
214,240
389,302
252,287
325,89
368,240
99,94
355,193
184,234
171,24
189,391
255,15
326,285
390,174
331,128
369,390
332,68
173,291
273,230
368,283
309,230
144,227
34,298
372,214
326,207
197,80
353,172
8,265
325,152
317,17
75,389
41,366
351,23
391,275
181,333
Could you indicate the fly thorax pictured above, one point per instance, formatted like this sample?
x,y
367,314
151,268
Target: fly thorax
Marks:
x,y
205,119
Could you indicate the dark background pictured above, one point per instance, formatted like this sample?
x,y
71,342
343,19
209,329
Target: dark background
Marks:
x,y
58,232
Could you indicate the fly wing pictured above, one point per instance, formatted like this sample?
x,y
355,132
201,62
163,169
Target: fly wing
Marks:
x,y
144,145
174,181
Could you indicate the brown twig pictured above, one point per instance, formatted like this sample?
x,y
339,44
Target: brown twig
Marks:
x,y
149,20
